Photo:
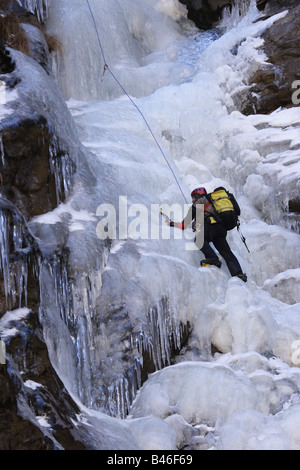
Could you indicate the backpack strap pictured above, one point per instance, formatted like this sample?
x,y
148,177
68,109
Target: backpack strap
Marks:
x,y
212,216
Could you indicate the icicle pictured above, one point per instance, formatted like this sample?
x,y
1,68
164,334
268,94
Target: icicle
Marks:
x,y
2,150
61,287
61,168
5,250
232,14
15,259
242,6
122,392
165,332
36,7
116,385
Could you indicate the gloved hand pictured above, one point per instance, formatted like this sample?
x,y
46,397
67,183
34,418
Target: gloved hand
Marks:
x,y
171,223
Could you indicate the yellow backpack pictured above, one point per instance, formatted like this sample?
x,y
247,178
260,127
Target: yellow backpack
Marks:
x,y
226,207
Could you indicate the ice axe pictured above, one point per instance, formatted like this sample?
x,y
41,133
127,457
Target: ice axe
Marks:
x,y
242,236
167,218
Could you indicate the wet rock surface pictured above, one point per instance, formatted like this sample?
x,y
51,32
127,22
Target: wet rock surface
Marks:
x,y
272,84
26,177
205,13
35,409
6,63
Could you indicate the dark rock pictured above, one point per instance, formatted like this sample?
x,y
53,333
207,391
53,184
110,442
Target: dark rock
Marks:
x,y
12,33
294,205
6,63
271,7
272,85
26,176
29,390
23,31
38,47
29,386
16,433
206,13
261,4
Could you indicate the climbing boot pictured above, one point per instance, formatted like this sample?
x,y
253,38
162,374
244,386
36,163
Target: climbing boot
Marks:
x,y
242,276
211,262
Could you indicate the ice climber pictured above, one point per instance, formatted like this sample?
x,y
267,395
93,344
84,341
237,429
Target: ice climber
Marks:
x,y
214,230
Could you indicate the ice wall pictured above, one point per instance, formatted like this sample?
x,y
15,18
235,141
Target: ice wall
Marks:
x,y
195,111
130,35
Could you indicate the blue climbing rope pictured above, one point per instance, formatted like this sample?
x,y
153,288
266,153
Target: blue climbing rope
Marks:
x,y
106,67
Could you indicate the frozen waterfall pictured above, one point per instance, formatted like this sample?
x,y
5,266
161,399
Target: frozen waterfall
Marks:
x,y
141,289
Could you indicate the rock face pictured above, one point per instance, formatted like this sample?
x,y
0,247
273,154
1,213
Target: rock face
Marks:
x,y
27,179
6,63
38,392
272,85
271,7
205,13
29,386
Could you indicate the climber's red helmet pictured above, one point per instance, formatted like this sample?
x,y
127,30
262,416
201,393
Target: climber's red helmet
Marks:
x,y
197,192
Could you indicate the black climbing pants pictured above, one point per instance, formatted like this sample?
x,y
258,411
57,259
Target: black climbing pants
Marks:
x,y
216,234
